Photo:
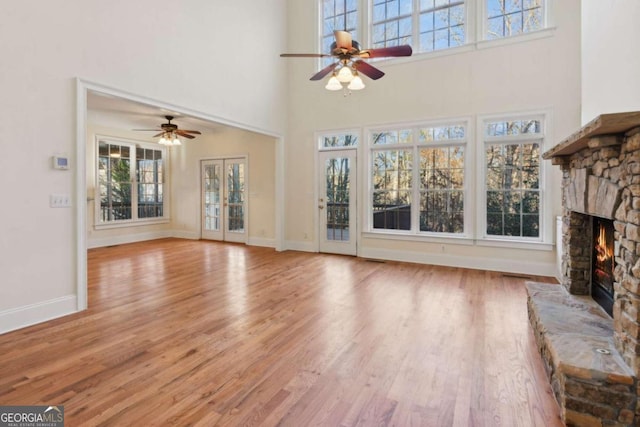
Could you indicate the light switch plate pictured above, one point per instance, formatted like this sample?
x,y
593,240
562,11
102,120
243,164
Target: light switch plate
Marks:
x,y
59,200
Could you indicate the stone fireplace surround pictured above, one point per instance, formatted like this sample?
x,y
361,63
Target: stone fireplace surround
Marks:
x,y
593,361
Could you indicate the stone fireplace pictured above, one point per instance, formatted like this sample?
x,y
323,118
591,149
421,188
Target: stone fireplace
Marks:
x,y
588,329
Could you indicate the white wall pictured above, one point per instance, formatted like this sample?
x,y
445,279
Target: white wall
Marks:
x,y
610,60
213,56
540,74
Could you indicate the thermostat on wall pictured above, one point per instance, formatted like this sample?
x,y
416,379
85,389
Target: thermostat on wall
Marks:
x,y
60,162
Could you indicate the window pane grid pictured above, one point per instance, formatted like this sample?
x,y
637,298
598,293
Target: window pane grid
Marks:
x,y
392,176
441,25
507,18
437,185
117,164
392,23
337,15
337,141
513,180
338,185
441,189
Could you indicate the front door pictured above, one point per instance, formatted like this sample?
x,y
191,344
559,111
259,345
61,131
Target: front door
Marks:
x,y
337,201
224,212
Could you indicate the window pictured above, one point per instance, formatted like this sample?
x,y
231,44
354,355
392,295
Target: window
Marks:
x,y
512,180
417,179
441,24
506,18
442,180
337,15
391,24
338,141
428,25
131,182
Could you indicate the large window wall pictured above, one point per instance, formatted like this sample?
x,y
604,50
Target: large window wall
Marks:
x,y
449,179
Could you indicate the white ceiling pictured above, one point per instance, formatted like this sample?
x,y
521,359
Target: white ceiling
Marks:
x,y
110,111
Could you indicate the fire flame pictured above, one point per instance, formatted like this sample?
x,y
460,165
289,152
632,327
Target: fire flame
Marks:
x,y
603,252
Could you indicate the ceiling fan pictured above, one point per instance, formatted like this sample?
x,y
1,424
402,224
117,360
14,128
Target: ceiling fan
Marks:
x,y
350,61
169,132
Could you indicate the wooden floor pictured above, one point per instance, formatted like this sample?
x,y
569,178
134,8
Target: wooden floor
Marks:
x,y
201,333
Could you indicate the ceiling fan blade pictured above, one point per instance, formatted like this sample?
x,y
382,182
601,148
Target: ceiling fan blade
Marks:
x,y
404,50
368,70
343,40
161,133
303,55
195,132
326,70
147,130
184,134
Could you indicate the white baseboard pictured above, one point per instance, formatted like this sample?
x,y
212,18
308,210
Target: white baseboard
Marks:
x,y
291,245
128,238
183,234
262,242
491,264
21,317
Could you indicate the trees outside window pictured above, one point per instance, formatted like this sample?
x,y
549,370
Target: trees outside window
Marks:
x,y
506,18
131,182
512,178
418,179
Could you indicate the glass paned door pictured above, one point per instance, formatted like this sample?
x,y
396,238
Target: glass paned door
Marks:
x,y
235,200
211,200
337,201
224,200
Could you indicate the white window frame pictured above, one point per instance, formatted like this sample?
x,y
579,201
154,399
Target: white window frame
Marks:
x,y
475,25
134,221
483,18
483,140
320,136
415,146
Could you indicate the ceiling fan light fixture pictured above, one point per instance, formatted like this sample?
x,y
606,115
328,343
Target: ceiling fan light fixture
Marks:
x,y
345,75
356,83
164,140
333,83
176,141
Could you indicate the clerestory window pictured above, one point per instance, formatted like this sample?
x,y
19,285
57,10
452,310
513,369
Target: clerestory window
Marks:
x,y
428,25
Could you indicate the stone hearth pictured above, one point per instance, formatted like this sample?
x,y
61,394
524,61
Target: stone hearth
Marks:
x,y
593,361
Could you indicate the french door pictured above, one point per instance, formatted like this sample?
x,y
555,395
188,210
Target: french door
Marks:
x,y
337,201
224,207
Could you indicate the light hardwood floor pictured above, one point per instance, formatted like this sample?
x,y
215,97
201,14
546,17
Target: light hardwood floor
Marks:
x,y
201,333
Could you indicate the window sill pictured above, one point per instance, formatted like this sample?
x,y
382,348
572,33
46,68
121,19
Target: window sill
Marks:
x,y
516,244
132,223
460,240
534,35
426,238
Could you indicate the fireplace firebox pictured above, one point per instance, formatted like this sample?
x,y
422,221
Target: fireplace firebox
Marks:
x,y
602,263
